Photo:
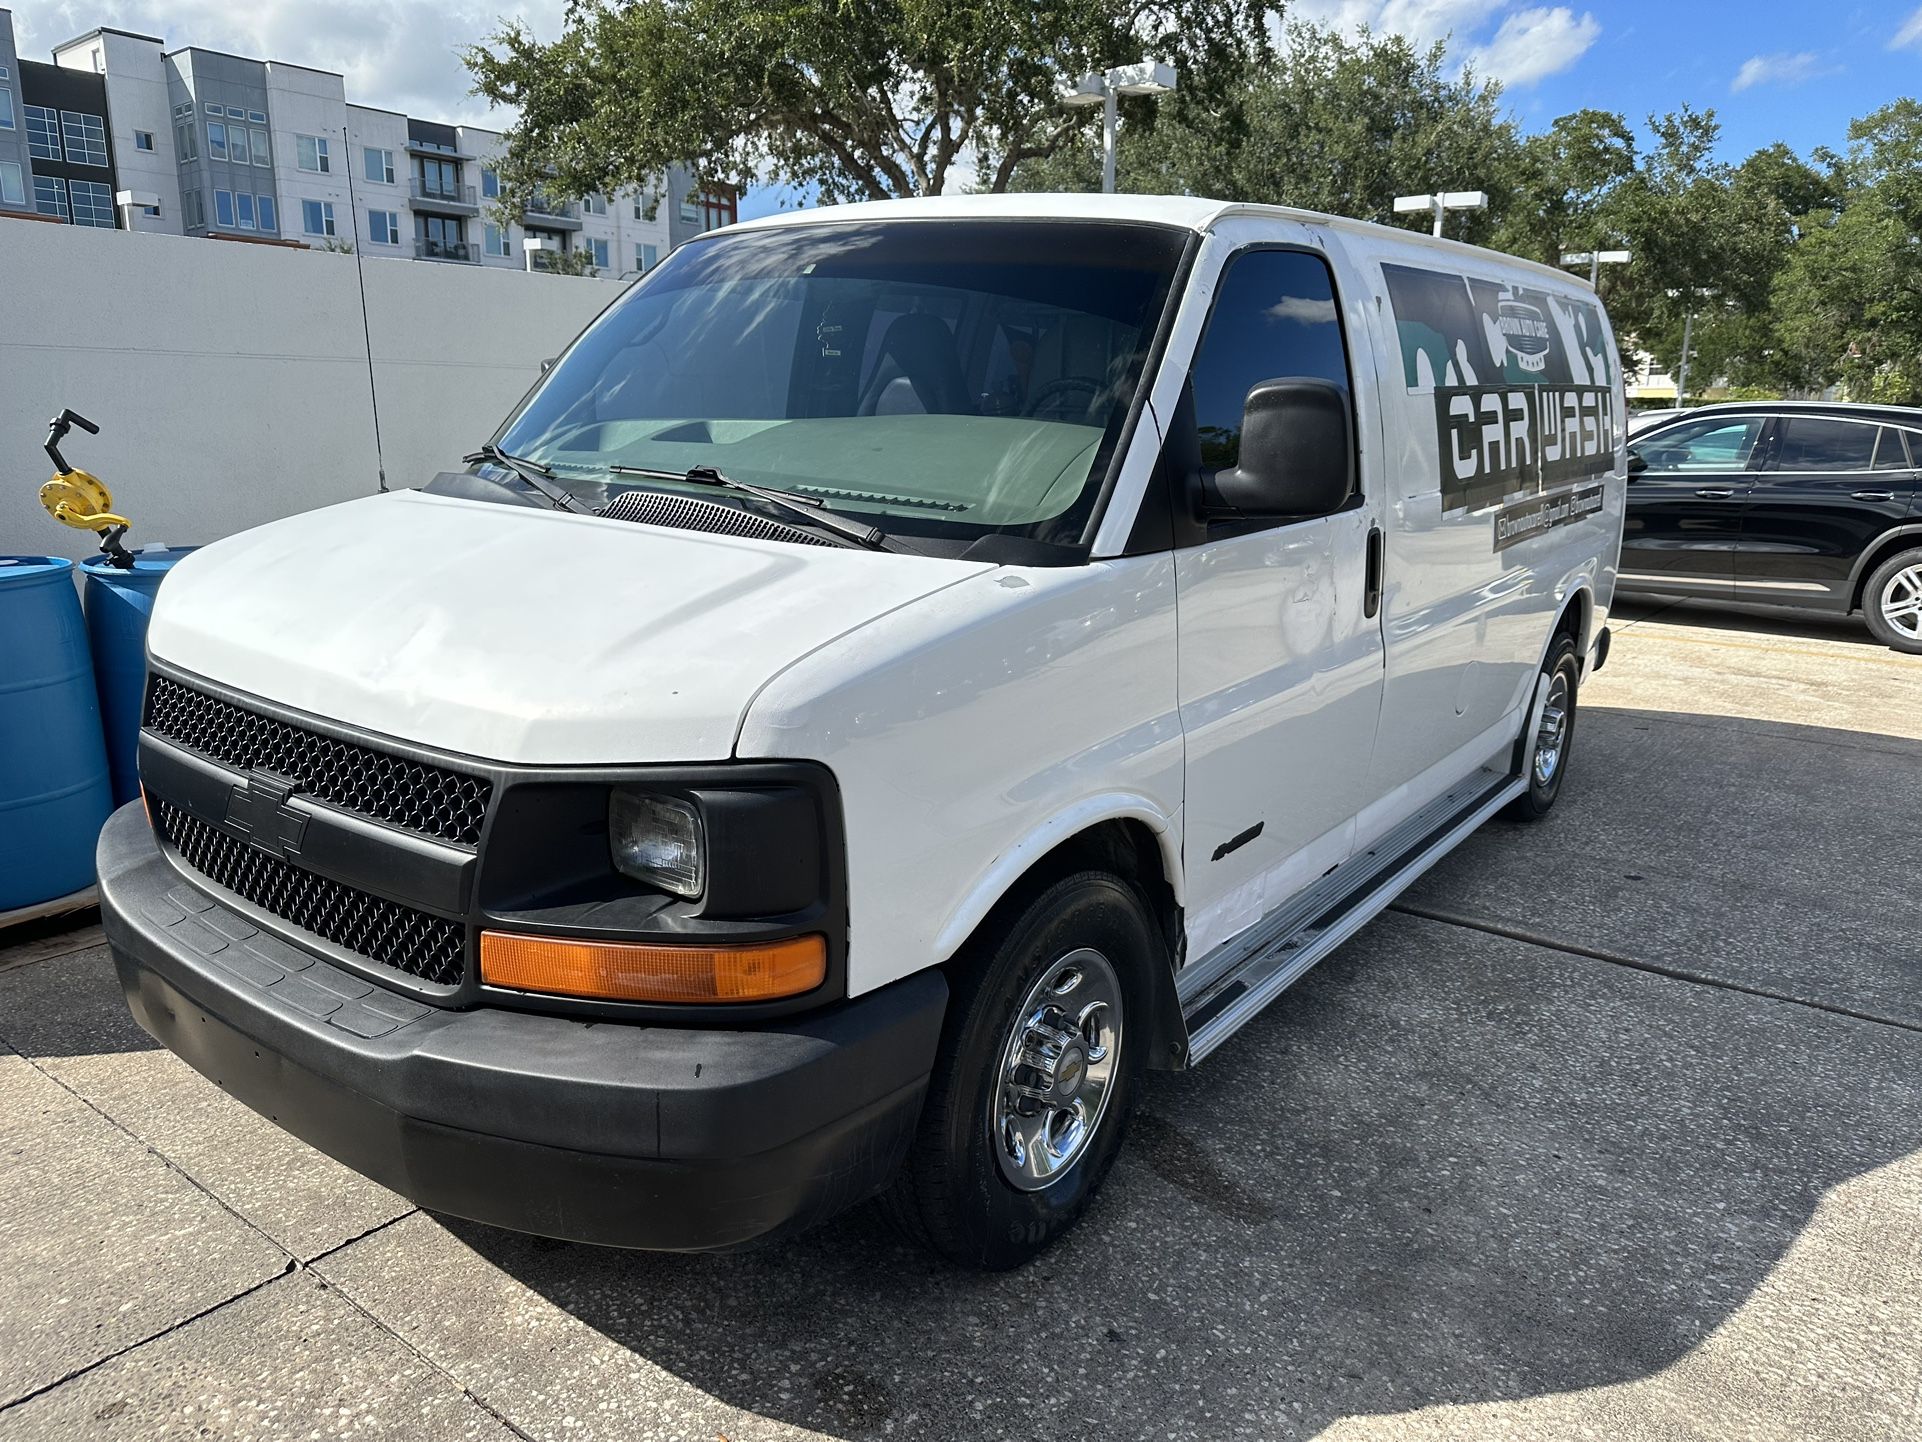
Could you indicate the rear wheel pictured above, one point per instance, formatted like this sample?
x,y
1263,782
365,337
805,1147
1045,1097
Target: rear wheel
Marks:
x,y
1037,1071
1892,602
1545,750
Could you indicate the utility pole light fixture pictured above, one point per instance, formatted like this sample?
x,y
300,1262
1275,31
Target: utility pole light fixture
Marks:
x,y
1595,260
533,245
1150,77
1440,205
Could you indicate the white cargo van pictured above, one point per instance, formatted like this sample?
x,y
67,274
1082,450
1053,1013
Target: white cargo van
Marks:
x,y
904,671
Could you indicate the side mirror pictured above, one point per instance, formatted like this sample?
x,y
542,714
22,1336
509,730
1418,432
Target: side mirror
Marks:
x,y
1636,465
1297,453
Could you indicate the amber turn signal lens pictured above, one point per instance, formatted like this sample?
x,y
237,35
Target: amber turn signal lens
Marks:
x,y
623,971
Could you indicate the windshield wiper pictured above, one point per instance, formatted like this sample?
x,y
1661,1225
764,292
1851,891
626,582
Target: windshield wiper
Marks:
x,y
808,508
534,473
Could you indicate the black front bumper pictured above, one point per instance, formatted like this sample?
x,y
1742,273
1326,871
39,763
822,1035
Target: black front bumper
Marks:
x,y
593,1131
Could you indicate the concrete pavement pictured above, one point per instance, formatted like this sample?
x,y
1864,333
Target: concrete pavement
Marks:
x,y
1614,1129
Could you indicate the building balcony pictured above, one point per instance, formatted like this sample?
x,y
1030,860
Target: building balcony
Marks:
x,y
428,147
456,250
450,199
547,213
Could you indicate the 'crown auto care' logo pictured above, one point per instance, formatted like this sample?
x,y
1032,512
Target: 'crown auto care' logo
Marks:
x,y
258,808
1524,331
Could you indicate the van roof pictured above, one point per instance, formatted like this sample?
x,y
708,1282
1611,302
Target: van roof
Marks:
x,y
1186,211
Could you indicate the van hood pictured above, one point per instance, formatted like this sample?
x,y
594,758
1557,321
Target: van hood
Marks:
x,y
515,634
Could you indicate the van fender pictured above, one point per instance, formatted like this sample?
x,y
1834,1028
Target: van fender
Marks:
x,y
1580,595
1016,861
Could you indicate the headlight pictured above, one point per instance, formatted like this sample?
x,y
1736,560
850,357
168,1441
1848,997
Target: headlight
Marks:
x,y
658,840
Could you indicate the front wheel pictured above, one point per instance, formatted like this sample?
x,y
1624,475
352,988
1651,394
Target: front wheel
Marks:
x,y
1892,602
1545,751
1037,1071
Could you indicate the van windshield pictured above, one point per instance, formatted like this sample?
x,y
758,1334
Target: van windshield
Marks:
x,y
941,379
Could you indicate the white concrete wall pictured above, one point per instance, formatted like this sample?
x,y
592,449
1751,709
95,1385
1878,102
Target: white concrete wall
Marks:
x,y
232,381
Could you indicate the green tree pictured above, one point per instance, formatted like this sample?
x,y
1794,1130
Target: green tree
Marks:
x,y
1329,122
1849,299
854,99
1566,188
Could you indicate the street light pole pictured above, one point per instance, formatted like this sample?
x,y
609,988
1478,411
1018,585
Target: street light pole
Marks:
x,y
1681,374
1440,204
1595,260
1103,88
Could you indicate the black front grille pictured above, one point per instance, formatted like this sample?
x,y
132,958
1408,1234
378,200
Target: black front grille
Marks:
x,y
432,948
413,795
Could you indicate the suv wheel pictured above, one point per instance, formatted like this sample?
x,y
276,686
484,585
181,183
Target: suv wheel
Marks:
x,y
1037,1071
1892,602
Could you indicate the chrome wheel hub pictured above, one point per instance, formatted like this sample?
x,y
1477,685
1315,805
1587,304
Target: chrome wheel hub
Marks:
x,y
1902,602
1057,1070
1551,734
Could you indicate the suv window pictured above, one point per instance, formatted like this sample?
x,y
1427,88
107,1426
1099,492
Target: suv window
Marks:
x,y
1816,443
1274,315
1720,444
1891,454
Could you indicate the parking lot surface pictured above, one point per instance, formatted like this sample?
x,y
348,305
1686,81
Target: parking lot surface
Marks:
x,y
1612,1128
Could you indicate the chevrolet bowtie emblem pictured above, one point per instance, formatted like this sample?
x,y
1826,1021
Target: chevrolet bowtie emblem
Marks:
x,y
258,808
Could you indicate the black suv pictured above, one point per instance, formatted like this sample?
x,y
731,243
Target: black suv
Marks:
x,y
1785,503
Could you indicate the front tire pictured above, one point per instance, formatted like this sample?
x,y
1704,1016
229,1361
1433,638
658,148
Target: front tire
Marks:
x,y
1892,602
1544,754
1038,1067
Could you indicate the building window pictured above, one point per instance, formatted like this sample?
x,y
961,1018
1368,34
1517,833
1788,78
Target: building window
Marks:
x,y
216,140
185,144
238,151
313,154
194,209
640,205
600,253
6,108
234,112
92,203
380,166
269,222
86,138
261,154
12,189
50,196
317,217
43,133
494,239
224,208
594,204
258,117
143,140
152,211
244,211
690,212
490,184
211,109
646,257
383,227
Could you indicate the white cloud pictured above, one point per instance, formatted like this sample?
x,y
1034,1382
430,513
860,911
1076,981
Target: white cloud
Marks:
x,y
1784,69
399,56
1909,37
1534,44
1527,46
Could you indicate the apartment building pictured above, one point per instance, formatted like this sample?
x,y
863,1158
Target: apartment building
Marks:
x,y
119,130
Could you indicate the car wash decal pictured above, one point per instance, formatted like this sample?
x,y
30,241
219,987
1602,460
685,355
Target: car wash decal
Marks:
x,y
1525,397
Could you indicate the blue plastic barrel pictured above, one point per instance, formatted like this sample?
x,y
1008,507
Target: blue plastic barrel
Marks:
x,y
118,604
54,790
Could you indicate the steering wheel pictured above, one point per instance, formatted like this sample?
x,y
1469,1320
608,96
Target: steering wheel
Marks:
x,y
1038,407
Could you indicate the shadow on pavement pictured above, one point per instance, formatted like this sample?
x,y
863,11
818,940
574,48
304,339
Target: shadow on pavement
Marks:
x,y
1752,620
1449,1167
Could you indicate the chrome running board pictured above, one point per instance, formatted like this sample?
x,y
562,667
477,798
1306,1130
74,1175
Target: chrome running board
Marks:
x,y
1225,989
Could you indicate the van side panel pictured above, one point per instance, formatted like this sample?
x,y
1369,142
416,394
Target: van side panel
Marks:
x,y
1504,406
964,730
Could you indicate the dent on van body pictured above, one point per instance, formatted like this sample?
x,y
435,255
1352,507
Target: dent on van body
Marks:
x,y
977,728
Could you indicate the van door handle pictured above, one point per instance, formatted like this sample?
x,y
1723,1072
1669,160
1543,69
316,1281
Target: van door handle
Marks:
x,y
1875,495
1371,592
1714,493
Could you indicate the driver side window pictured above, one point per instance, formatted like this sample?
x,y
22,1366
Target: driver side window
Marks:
x,y
1713,445
1274,315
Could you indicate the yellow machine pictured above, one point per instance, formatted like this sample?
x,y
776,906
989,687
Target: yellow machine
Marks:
x,y
80,499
